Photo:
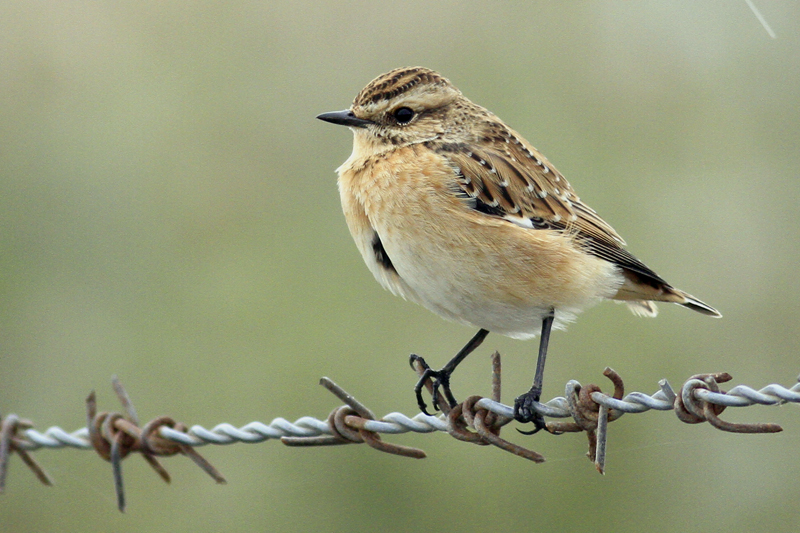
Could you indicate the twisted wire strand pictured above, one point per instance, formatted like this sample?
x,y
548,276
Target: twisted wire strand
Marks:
x,y
477,420
397,423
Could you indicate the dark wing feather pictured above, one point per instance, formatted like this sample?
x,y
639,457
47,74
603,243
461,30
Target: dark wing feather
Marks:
x,y
623,258
509,178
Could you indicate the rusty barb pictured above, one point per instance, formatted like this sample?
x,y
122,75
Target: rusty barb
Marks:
x,y
699,400
114,436
472,414
591,416
11,443
349,424
694,404
487,417
477,420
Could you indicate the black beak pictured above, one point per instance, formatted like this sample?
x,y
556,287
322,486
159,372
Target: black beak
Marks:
x,y
344,118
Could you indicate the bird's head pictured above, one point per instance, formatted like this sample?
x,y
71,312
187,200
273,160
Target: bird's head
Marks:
x,y
406,106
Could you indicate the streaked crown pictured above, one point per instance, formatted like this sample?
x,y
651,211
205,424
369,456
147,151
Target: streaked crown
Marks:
x,y
401,81
409,104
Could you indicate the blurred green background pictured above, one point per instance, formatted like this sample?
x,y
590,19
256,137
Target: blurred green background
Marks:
x,y
170,214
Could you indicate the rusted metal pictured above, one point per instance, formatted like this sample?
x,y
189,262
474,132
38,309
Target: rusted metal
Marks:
x,y
478,420
348,425
9,443
690,407
115,435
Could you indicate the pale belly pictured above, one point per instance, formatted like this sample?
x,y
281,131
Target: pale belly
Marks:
x,y
468,267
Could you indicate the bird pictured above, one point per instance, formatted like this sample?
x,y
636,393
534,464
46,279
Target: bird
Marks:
x,y
455,211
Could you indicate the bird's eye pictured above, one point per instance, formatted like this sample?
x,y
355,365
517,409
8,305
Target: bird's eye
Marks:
x,y
403,115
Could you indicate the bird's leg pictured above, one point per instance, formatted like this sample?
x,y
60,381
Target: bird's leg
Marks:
x,y
441,378
523,405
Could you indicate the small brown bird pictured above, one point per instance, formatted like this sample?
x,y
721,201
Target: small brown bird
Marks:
x,y
455,211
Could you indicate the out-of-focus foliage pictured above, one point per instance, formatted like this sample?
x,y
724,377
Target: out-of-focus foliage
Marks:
x,y
169,213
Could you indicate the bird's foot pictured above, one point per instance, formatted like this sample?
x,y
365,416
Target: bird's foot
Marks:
x,y
524,411
441,378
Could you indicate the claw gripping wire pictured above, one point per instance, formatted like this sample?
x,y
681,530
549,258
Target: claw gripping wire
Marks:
x,y
477,420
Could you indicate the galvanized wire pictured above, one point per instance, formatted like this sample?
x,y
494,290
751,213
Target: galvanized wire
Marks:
x,y
478,420
397,423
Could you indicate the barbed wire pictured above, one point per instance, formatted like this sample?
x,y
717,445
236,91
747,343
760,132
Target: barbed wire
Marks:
x,y
478,420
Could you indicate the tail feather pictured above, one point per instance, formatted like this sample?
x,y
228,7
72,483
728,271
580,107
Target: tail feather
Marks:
x,y
640,297
694,304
